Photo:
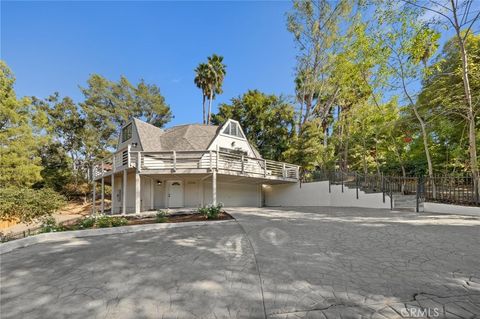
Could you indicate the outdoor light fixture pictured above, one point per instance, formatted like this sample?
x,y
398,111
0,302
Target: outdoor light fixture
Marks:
x,y
134,144
159,182
233,144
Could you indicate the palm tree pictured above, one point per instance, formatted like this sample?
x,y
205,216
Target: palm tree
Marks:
x,y
201,80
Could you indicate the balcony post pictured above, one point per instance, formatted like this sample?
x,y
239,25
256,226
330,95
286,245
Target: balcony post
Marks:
x,y
243,164
113,193
94,197
174,161
124,192
113,164
211,159
217,157
138,184
128,155
264,168
214,187
102,207
283,170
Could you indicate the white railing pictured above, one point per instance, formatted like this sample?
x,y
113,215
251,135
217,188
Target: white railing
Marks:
x,y
173,161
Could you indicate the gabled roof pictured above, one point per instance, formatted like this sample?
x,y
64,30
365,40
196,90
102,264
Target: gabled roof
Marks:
x,y
190,137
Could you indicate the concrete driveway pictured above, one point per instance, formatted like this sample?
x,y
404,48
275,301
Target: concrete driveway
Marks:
x,y
275,263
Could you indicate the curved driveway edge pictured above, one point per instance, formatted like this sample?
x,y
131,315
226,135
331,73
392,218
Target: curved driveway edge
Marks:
x,y
65,235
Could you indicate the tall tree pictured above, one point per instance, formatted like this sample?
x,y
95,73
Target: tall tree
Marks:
x,y
201,81
19,137
267,120
109,104
460,16
216,75
315,26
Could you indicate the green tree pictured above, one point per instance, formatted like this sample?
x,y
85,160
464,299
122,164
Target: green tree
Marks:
x,y
306,148
216,75
268,121
202,73
19,141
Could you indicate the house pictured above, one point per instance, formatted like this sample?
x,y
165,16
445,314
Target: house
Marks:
x,y
187,166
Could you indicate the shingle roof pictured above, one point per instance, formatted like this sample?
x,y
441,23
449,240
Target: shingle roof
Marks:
x,y
191,137
149,136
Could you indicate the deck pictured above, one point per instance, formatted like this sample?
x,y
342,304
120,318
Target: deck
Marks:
x,y
196,162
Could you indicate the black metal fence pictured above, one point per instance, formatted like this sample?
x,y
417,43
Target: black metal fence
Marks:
x,y
442,189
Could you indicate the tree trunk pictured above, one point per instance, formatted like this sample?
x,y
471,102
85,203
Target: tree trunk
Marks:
x,y
427,151
210,107
472,145
203,104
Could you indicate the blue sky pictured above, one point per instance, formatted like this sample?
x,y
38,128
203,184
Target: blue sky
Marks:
x,y
55,46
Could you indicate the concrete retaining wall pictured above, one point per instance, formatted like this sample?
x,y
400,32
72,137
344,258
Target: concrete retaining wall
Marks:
x,y
317,194
451,209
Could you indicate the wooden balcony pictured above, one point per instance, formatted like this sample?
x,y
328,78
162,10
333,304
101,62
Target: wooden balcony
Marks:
x,y
196,162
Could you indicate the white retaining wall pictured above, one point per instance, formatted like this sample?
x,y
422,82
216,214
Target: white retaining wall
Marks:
x,y
316,194
450,209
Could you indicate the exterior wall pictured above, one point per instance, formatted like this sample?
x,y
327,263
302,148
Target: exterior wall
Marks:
x,y
234,194
134,139
316,194
451,209
226,141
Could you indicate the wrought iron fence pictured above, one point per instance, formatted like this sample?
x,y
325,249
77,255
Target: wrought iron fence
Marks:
x,y
442,189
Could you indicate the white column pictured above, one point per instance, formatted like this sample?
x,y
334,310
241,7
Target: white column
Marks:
x,y
113,193
94,197
124,192
152,193
214,187
102,207
137,186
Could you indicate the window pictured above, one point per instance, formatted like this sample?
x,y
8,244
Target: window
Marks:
x,y
234,130
127,132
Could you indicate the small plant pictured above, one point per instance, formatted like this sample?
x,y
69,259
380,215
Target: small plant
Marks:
x,y
118,221
104,221
161,216
211,211
49,225
87,222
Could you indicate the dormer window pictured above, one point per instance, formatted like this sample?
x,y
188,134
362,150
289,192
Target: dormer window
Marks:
x,y
127,133
233,129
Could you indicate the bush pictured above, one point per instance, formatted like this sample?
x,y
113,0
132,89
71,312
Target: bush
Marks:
x,y
161,217
104,221
87,222
27,205
49,225
211,211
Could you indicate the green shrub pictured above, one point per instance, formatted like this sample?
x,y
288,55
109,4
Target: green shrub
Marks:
x,y
211,211
161,217
87,222
27,204
49,225
104,221
118,221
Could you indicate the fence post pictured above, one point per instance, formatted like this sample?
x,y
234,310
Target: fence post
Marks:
x,y
341,176
417,209
391,195
329,182
356,182
383,188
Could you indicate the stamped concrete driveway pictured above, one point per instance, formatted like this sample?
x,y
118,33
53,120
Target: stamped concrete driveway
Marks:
x,y
274,263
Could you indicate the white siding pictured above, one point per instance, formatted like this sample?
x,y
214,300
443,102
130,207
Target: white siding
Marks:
x,y
234,194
